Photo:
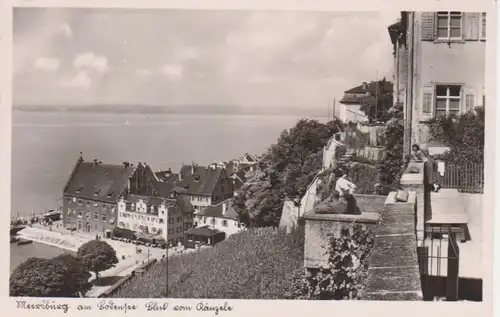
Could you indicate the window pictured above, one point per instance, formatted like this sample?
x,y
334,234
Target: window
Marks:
x,y
161,220
79,214
204,220
96,216
447,99
170,231
449,25
170,221
74,199
179,229
179,219
482,26
224,223
213,221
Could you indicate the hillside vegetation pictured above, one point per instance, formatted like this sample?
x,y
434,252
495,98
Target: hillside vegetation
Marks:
x,y
259,263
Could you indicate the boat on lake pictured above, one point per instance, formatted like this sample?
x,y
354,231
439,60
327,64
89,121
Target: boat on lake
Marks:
x,y
23,241
15,229
53,215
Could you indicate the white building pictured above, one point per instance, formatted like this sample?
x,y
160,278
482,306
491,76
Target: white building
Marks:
x,y
221,217
149,215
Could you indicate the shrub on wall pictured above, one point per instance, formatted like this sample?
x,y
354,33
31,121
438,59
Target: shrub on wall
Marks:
x,y
348,268
463,134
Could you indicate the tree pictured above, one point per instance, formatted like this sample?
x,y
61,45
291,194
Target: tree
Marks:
x,y
391,168
78,274
378,101
97,256
285,171
38,277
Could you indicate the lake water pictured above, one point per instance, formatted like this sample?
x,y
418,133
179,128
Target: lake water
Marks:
x,y
20,253
46,145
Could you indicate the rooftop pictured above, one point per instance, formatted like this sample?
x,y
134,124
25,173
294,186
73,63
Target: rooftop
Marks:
x,y
98,181
204,231
217,211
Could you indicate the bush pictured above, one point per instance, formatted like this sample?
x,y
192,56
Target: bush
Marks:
x,y
391,168
348,268
463,134
258,263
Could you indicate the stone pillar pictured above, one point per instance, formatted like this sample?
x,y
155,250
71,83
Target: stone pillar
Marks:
x,y
415,182
319,228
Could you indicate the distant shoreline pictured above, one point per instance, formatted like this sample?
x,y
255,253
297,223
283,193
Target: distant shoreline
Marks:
x,y
188,110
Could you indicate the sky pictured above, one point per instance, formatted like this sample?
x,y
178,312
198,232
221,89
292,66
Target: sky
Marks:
x,y
195,57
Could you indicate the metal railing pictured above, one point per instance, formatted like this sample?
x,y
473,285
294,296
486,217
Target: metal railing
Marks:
x,y
439,257
467,178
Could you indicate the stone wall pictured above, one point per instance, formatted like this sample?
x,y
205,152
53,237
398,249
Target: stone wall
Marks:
x,y
319,228
394,273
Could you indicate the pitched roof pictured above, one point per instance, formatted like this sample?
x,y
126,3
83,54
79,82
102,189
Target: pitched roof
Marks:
x,y
204,231
167,182
196,179
355,95
216,211
97,181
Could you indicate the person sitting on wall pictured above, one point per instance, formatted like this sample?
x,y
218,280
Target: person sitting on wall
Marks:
x,y
344,187
417,153
345,190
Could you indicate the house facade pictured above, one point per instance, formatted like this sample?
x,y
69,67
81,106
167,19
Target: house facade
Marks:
x,y
439,67
350,104
91,194
221,217
168,218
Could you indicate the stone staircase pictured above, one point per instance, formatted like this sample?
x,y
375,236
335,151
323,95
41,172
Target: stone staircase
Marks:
x,y
347,156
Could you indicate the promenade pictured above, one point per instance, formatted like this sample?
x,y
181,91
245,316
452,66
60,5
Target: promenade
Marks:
x,y
128,258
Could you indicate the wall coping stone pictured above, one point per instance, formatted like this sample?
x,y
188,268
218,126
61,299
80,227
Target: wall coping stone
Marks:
x,y
413,178
366,217
394,273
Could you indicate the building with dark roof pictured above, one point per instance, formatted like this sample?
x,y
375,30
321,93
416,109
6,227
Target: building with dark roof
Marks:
x,y
350,104
205,236
91,193
222,217
203,185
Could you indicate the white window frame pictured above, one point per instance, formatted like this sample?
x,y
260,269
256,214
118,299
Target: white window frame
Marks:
x,y
482,28
448,15
447,97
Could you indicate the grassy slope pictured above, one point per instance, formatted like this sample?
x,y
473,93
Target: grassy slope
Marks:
x,y
255,264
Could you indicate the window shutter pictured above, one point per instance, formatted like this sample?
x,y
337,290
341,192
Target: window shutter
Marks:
x,y
428,26
427,103
470,25
470,99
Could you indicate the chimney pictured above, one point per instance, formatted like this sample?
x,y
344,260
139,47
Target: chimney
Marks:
x,y
192,168
365,85
224,208
95,162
